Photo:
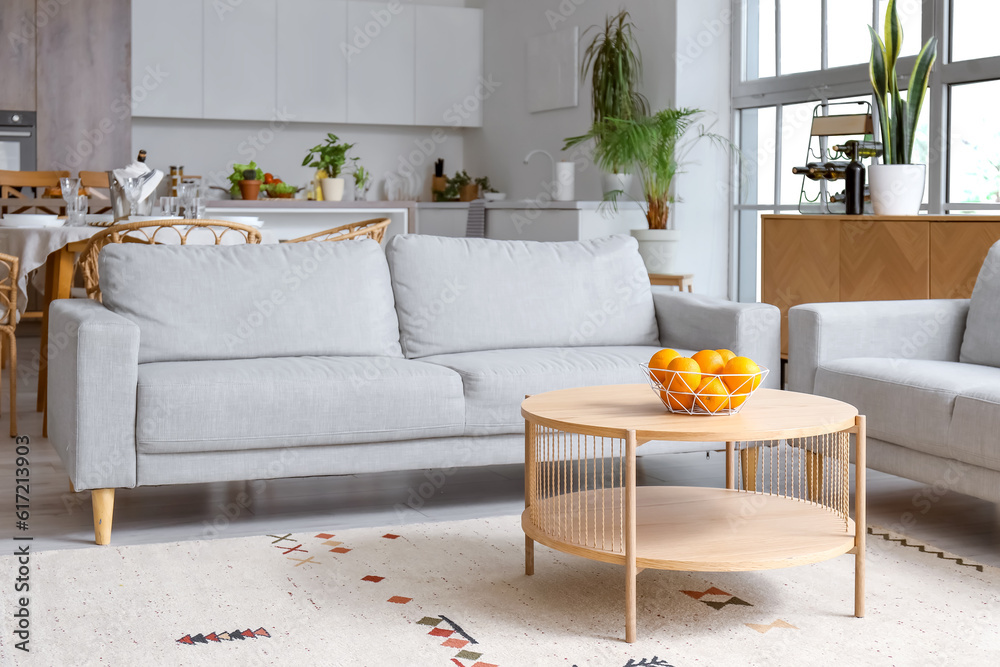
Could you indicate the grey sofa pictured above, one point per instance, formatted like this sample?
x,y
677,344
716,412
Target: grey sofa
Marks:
x,y
926,374
208,364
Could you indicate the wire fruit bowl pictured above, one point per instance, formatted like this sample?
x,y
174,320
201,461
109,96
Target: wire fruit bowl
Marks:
x,y
680,398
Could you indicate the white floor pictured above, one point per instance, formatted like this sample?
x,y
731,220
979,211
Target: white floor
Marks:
x,y
62,520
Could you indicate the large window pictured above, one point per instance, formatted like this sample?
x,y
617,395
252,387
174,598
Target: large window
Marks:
x,y
790,55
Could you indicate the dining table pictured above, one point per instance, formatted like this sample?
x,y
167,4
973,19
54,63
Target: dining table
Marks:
x,y
56,249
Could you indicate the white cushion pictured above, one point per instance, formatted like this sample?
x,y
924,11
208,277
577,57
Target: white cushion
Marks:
x,y
235,405
981,344
496,381
461,295
244,301
908,402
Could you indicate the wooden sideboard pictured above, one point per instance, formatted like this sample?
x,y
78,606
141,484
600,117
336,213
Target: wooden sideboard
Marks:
x,y
817,258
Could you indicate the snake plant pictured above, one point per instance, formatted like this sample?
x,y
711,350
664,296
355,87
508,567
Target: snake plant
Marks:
x,y
898,118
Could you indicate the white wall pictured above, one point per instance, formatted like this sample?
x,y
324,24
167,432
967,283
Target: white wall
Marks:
x,y
699,78
210,147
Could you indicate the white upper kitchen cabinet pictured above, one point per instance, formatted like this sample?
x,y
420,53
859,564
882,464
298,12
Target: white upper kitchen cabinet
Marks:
x,y
449,66
240,52
380,50
312,84
167,58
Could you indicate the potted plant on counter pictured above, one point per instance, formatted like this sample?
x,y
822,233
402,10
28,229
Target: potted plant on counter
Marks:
x,y
656,147
897,185
615,64
329,159
362,179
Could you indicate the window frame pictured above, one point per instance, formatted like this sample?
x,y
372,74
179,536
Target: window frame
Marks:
x,y
833,83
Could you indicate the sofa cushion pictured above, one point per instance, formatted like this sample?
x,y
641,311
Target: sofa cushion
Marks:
x,y
194,406
981,344
236,302
908,402
496,381
975,428
461,295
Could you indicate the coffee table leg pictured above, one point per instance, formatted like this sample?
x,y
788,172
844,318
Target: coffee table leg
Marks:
x,y
529,490
631,572
860,517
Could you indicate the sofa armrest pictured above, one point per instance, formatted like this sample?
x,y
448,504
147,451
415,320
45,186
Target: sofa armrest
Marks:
x,y
696,322
93,374
922,329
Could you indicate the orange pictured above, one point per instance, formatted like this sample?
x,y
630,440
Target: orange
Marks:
x,y
710,361
683,383
659,362
739,375
726,355
712,394
736,400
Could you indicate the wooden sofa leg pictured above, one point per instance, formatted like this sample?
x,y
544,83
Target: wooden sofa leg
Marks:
x,y
748,468
104,507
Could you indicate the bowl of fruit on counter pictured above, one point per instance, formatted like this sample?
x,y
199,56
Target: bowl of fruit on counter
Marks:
x,y
275,188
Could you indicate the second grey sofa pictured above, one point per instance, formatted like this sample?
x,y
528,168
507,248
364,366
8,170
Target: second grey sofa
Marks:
x,y
209,364
926,373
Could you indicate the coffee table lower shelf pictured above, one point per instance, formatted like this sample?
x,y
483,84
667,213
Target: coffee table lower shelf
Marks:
x,y
696,529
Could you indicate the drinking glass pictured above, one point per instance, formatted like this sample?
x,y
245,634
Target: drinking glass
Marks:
x,y
70,188
186,193
76,211
168,206
132,187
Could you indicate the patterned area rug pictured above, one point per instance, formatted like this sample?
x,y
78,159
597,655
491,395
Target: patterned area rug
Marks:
x,y
454,594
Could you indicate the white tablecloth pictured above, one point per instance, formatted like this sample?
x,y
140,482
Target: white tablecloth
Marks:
x,y
34,245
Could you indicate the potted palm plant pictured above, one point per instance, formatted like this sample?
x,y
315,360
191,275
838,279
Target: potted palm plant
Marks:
x,y
328,159
656,147
897,185
615,65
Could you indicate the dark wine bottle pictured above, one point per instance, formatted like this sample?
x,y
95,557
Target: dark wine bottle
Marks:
x,y
854,175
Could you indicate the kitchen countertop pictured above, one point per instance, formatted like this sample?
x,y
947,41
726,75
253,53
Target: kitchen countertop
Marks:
x,y
307,204
530,204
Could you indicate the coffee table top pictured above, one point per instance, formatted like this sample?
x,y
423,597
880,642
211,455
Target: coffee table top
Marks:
x,y
611,411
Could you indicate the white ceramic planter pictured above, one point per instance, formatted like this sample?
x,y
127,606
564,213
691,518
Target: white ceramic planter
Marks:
x,y
612,182
333,188
658,248
897,189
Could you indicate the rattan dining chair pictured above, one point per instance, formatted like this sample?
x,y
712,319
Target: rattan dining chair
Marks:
x,y
373,229
8,322
154,232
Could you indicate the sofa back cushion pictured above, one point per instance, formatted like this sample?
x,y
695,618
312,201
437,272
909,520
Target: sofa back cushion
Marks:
x,y
981,344
199,302
461,295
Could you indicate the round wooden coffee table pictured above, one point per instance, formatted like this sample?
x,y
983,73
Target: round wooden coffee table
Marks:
x,y
786,501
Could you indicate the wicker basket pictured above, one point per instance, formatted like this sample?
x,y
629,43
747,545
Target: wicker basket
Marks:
x,y
686,401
